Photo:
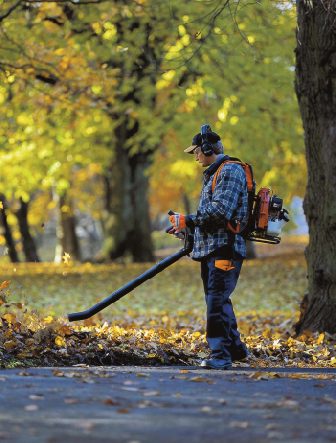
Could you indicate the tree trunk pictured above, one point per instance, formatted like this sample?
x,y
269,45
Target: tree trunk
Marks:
x,y
127,223
66,230
126,183
316,92
7,232
28,243
142,246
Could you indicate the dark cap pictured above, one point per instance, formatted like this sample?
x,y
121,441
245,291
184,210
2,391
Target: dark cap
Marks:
x,y
197,141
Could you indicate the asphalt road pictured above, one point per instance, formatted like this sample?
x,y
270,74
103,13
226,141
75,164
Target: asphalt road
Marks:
x,y
167,404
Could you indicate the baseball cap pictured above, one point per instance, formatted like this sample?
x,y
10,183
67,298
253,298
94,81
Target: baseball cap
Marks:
x,y
197,141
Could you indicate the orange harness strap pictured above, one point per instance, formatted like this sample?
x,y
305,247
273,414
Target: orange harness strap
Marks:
x,y
247,170
249,181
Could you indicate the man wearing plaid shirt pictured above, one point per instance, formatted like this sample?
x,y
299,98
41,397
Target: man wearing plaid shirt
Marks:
x,y
220,252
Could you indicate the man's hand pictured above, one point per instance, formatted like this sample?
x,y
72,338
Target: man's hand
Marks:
x,y
176,233
178,221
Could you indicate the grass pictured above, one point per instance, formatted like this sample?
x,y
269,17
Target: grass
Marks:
x,y
275,283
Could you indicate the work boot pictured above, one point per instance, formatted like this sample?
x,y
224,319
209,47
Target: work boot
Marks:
x,y
216,363
239,353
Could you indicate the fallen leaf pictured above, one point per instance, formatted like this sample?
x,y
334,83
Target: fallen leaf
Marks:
x,y
206,409
9,317
31,408
4,284
49,319
71,401
261,375
333,361
9,345
288,403
327,399
58,373
84,424
66,258
65,330
60,341
70,374
202,355
320,338
111,402
151,393
199,379
36,397
275,435
239,424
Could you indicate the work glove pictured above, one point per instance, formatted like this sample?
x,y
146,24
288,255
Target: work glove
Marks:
x,y
177,234
178,222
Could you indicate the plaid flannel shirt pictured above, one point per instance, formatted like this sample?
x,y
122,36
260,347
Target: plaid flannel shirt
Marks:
x,y
230,199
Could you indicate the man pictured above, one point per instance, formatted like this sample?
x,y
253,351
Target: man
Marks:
x,y
220,251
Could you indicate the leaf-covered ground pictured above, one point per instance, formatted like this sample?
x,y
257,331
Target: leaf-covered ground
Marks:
x,y
160,322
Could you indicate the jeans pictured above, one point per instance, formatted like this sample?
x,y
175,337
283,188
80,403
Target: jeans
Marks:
x,y
221,329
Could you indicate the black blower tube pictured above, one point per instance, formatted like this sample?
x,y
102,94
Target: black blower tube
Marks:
x,y
128,287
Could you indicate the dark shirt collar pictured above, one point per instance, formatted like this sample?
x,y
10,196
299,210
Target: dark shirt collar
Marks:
x,y
214,166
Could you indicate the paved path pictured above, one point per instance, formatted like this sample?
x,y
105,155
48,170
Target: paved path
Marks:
x,y
167,404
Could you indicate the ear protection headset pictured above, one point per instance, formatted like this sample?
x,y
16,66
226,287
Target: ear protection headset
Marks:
x,y
206,146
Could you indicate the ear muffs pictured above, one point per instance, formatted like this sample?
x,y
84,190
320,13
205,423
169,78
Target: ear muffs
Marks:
x,y
207,148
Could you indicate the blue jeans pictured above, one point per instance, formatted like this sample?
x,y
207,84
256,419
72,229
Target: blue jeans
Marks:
x,y
221,329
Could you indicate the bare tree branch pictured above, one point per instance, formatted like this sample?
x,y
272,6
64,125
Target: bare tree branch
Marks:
x,y
30,61
73,2
209,25
10,10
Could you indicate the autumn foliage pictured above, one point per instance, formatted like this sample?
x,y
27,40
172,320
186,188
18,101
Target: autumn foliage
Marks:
x,y
86,86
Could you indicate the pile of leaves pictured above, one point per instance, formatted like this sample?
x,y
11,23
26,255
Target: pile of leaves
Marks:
x,y
33,333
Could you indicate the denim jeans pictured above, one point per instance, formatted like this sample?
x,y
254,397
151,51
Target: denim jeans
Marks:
x,y
221,329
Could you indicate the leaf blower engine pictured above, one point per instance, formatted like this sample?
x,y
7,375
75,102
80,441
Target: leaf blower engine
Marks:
x,y
267,218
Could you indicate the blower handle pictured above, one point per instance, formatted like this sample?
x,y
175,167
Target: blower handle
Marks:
x,y
170,212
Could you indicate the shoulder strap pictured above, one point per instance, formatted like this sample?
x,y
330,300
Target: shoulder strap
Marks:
x,y
247,169
214,180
